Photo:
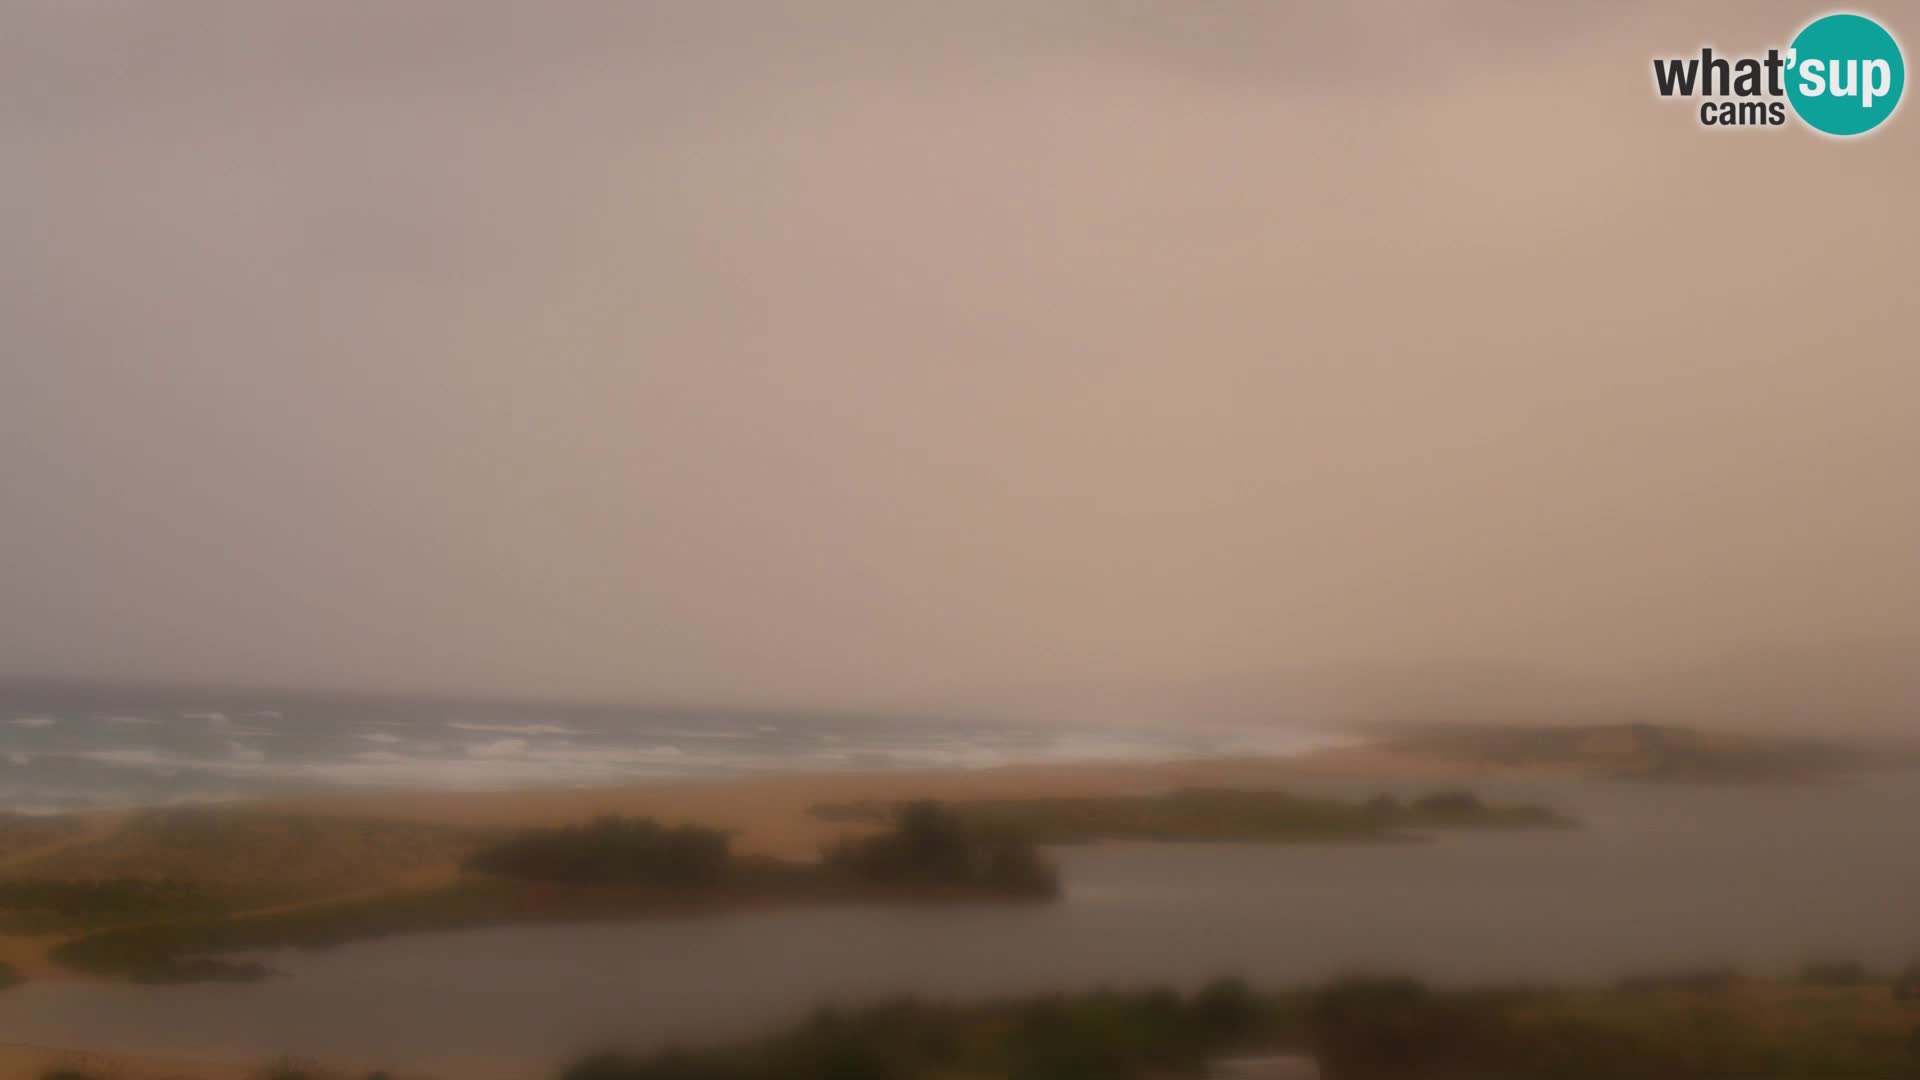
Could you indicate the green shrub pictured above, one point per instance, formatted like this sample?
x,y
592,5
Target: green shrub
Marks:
x,y
1394,1028
1226,1009
8,976
931,845
611,850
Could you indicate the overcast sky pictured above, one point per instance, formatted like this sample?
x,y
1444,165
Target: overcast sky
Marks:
x,y
862,352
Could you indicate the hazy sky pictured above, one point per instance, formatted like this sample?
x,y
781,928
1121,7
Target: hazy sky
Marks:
x,y
881,351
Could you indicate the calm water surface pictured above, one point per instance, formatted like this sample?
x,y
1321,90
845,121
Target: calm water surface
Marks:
x,y
1658,878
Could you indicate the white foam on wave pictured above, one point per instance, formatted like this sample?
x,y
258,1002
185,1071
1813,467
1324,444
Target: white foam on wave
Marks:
x,y
128,721
695,733
18,758
240,751
211,719
516,729
539,754
34,721
497,748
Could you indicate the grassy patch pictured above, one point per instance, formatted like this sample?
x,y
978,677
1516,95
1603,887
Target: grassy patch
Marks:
x,y
1105,1034
1659,752
613,868
247,858
1222,814
37,905
1357,1029
611,850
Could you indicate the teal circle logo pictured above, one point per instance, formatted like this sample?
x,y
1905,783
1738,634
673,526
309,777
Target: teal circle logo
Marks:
x,y
1845,74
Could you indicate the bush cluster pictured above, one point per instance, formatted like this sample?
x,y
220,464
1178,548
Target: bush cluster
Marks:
x,y
610,850
931,845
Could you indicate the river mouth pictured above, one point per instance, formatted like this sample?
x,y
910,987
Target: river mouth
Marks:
x,y
1659,878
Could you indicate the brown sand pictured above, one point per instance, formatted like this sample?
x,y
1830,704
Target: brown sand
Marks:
x,y
770,814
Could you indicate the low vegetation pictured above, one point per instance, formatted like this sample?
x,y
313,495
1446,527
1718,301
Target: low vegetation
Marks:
x,y
1105,1034
8,976
39,905
611,850
1654,752
238,858
1222,814
1679,1027
1357,1029
933,846
613,868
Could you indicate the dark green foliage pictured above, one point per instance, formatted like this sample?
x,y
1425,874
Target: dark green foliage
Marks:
x,y
1094,1036
1397,1029
1225,814
93,902
8,976
1055,1041
1226,1009
930,845
1360,1029
611,850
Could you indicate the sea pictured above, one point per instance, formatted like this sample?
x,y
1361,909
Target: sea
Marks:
x,y
68,749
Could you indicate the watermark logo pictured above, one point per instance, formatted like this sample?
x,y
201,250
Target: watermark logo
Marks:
x,y
1842,75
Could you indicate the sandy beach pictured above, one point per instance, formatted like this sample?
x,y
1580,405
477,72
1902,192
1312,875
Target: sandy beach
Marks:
x,y
769,814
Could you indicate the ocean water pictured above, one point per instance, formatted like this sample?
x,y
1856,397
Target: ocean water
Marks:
x,y
76,750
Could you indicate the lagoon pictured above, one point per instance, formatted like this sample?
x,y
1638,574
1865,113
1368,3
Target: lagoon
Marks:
x,y
1761,878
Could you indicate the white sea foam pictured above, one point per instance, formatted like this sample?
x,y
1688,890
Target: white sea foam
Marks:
x,y
516,729
552,754
17,758
240,751
33,721
128,721
211,719
497,748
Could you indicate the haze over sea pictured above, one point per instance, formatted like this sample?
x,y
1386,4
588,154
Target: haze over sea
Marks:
x,y
74,749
